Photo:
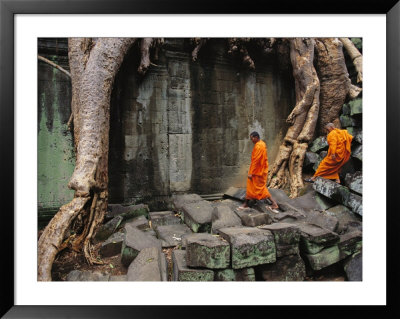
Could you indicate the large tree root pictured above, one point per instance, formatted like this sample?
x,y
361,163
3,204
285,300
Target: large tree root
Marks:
x,y
290,158
355,55
53,235
92,81
336,86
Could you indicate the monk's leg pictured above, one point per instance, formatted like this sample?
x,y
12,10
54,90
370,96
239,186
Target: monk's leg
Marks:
x,y
274,203
245,204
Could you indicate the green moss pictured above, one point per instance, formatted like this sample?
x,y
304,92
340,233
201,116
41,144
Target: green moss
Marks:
x,y
325,258
56,159
225,275
201,275
128,254
253,254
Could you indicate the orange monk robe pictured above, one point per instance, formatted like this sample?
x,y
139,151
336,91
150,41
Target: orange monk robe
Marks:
x,y
256,186
339,144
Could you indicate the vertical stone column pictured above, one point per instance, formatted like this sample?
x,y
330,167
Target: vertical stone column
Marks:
x,y
179,124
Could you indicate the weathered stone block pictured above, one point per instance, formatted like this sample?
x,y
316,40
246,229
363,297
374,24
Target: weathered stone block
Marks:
x,y
139,222
332,190
311,201
245,274
287,268
350,243
171,235
149,265
326,257
108,228
208,251
236,193
353,267
319,144
198,216
357,152
347,121
118,278
286,236
127,212
315,238
345,217
223,216
356,132
355,106
135,240
249,246
112,246
252,218
178,201
346,109
181,272
310,159
77,275
355,203
163,218
322,219
354,182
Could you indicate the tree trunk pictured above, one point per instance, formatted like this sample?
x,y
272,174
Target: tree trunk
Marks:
x,y
335,85
355,55
93,69
303,119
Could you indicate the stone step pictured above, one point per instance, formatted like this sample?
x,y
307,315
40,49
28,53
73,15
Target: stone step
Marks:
x,y
249,246
163,218
207,251
134,241
286,268
181,272
149,265
236,193
77,275
198,216
223,216
286,236
252,218
324,258
315,238
171,235
245,274
179,200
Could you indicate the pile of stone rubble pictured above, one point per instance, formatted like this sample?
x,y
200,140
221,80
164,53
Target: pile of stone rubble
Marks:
x,y
216,241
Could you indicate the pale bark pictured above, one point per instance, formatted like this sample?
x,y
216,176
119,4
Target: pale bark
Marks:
x,y
145,55
303,119
198,42
93,69
336,86
355,55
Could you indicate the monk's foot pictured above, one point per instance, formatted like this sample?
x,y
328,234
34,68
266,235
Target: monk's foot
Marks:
x,y
273,209
244,206
337,181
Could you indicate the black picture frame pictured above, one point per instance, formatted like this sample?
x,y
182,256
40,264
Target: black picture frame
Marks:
x,y
8,10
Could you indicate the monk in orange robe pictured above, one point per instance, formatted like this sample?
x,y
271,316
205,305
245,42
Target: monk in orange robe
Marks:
x,y
258,173
339,151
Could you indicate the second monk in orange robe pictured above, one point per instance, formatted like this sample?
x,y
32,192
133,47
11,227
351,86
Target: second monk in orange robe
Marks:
x,y
258,173
339,151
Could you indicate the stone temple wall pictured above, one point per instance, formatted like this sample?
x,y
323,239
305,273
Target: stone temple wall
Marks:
x,y
183,127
